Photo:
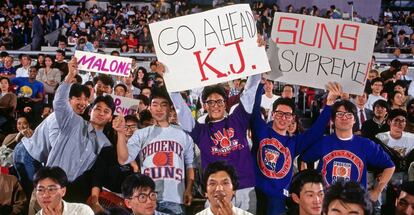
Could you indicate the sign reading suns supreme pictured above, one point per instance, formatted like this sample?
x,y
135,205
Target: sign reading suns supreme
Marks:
x,y
312,51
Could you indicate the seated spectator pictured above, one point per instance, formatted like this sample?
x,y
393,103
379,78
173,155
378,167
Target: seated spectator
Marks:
x,y
62,44
141,78
8,101
220,184
12,197
49,75
61,64
82,44
140,196
363,113
307,193
8,70
401,41
23,130
377,85
132,42
373,73
410,116
395,99
120,90
395,65
132,91
378,123
50,185
40,63
24,70
346,198
29,92
124,48
145,37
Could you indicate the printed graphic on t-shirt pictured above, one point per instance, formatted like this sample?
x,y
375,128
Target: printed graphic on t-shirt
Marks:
x,y
342,165
224,142
26,91
274,160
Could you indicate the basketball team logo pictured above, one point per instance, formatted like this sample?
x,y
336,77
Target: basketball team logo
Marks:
x,y
224,142
274,160
341,171
163,159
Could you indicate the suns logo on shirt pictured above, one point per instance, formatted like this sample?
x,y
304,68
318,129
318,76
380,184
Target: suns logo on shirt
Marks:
x,y
272,152
223,142
341,171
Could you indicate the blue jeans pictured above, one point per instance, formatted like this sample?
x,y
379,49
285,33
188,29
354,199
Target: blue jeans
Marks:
x,y
170,208
26,167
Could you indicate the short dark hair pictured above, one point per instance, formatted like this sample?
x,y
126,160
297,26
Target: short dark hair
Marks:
x,y
88,83
105,79
134,182
54,173
407,187
131,118
76,90
289,85
160,93
107,99
213,89
395,113
303,177
283,101
401,83
381,103
220,166
5,78
143,99
121,85
348,192
61,52
377,79
114,52
349,107
396,64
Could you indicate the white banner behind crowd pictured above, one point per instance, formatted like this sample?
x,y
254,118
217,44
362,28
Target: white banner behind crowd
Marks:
x,y
127,106
209,47
105,64
312,51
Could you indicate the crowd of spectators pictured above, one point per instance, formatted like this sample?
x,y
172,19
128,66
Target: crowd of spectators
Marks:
x,y
53,115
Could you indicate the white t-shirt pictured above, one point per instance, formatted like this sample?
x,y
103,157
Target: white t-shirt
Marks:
x,y
73,209
371,100
403,146
22,72
164,153
267,102
236,211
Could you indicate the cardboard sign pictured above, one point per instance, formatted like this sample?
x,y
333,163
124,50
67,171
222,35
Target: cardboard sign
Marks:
x,y
105,64
125,105
312,51
209,48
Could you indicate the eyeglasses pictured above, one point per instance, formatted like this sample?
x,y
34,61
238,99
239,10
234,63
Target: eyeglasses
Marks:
x,y
399,121
51,190
131,127
142,197
347,115
212,103
287,115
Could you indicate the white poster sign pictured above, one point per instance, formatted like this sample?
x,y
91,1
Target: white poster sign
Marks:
x,y
105,64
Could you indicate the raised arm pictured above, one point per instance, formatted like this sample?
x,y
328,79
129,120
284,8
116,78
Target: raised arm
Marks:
x,y
185,118
247,98
121,148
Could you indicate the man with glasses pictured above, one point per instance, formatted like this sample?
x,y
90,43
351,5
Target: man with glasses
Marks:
x,y
274,150
140,196
344,157
50,186
400,142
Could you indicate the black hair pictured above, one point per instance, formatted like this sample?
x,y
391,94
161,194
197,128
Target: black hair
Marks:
x,y
289,85
76,90
131,118
395,113
78,79
114,52
396,64
220,166
283,101
349,107
347,192
108,100
4,54
213,89
392,95
143,99
54,173
105,79
407,187
153,63
401,83
304,177
144,116
88,83
121,85
61,52
381,103
134,182
5,78
377,79
160,93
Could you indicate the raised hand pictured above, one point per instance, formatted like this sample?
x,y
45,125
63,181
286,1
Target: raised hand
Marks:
x,y
335,91
118,124
73,70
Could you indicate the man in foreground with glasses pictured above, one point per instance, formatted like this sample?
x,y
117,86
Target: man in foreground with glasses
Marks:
x,y
344,157
140,196
50,186
274,151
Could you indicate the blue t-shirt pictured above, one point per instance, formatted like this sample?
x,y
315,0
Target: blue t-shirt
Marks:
x,y
26,88
8,71
347,159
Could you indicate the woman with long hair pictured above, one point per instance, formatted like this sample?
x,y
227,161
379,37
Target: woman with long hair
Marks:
x,y
141,78
49,76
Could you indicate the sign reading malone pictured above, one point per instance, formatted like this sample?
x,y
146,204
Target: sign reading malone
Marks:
x,y
208,48
311,51
106,64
